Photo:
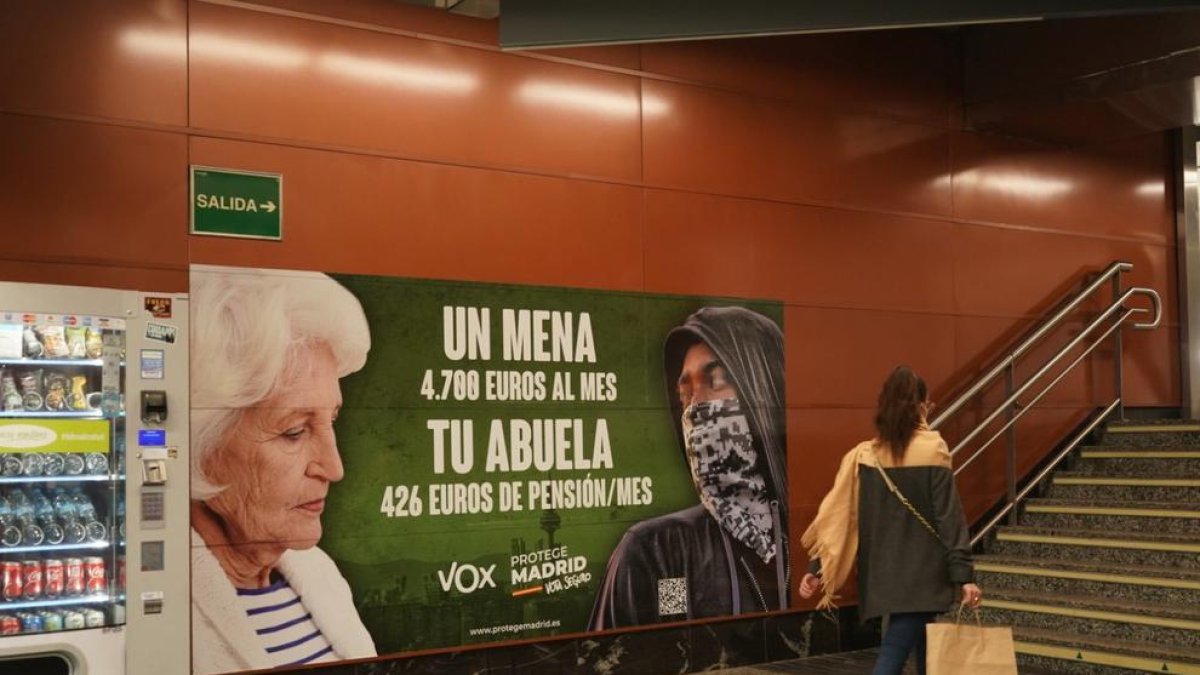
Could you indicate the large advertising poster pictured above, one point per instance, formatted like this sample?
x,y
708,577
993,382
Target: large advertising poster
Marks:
x,y
383,465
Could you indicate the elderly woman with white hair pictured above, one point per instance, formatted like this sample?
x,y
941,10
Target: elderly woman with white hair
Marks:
x,y
268,349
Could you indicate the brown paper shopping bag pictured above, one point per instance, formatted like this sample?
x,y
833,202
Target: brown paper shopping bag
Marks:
x,y
965,649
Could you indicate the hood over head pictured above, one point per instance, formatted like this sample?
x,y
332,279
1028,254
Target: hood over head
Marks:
x,y
750,346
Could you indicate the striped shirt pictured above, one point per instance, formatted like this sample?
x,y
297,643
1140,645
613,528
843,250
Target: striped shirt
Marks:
x,y
284,627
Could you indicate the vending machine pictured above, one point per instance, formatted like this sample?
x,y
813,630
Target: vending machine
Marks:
x,y
93,479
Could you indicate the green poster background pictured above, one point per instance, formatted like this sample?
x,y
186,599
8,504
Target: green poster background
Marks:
x,y
396,565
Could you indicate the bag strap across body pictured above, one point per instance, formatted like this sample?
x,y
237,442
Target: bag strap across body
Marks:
x,y
907,504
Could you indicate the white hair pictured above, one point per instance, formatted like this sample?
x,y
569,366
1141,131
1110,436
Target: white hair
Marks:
x,y
246,325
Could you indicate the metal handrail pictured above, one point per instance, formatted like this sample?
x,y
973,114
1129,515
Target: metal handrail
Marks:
x,y
1006,366
1117,304
1109,272
1028,406
1046,470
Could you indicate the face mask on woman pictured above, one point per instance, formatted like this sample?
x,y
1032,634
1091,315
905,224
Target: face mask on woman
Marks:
x,y
724,464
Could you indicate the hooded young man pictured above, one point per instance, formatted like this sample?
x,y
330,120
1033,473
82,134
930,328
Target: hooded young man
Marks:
x,y
728,554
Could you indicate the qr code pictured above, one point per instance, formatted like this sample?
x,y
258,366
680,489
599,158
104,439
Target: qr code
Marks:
x,y
672,596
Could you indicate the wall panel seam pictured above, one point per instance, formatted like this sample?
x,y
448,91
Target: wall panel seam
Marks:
x,y
1167,243
562,60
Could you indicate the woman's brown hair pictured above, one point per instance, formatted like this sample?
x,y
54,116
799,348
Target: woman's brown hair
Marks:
x,y
899,413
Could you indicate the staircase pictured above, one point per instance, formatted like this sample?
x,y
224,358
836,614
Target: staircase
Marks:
x,y
1102,575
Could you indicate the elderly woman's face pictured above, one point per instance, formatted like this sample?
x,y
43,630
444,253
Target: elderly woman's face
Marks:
x,y
278,461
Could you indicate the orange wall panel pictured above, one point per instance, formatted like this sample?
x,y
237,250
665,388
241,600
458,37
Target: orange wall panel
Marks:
x,y
92,195
1020,273
307,81
125,60
882,340
898,74
369,215
818,438
1120,190
817,256
714,141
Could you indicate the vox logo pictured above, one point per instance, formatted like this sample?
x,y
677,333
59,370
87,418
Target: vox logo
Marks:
x,y
466,578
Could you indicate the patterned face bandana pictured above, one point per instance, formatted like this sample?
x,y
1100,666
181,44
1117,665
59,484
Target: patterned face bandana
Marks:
x,y
724,467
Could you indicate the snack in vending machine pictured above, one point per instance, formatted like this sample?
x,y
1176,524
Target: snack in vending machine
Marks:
x,y
97,583
12,580
32,392
57,385
9,624
78,398
73,572
31,579
76,342
10,396
32,346
55,574
54,340
10,465
93,344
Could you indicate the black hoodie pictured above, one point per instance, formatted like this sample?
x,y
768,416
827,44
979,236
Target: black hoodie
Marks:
x,y
683,565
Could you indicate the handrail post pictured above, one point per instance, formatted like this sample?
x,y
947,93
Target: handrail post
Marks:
x,y
1118,356
1010,473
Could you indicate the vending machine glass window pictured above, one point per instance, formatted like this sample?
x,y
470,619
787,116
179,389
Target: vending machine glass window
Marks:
x,y
62,472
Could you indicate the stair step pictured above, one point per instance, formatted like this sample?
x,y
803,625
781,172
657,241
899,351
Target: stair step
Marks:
x,y
1062,652
1179,517
1164,433
1154,427
1139,462
1114,487
1160,549
1157,623
1137,583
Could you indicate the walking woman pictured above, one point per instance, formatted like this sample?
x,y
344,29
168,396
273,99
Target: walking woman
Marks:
x,y
910,568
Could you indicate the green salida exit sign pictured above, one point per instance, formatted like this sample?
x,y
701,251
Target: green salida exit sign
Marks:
x,y
228,203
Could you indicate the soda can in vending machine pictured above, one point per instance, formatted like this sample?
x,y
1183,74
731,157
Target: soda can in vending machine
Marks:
x,y
32,623
73,619
121,571
96,581
118,614
73,573
93,618
55,580
31,579
9,624
12,581
52,620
